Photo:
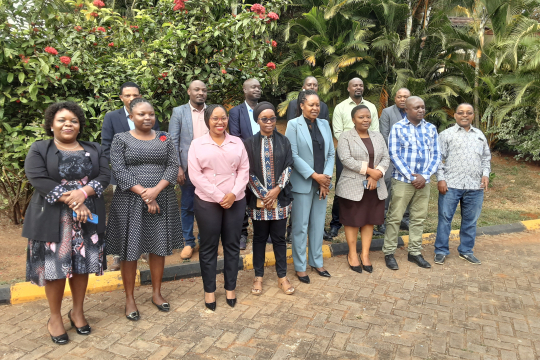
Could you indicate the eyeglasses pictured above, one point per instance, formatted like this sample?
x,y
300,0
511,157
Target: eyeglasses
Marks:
x,y
216,119
268,120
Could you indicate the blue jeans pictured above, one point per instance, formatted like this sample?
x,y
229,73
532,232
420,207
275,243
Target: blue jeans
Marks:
x,y
471,206
187,212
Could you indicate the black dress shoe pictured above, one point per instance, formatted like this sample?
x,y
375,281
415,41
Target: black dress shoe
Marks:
x,y
211,306
83,330
357,269
368,268
304,279
326,235
133,316
60,339
382,228
333,232
391,262
419,260
243,242
321,273
231,302
165,307
404,225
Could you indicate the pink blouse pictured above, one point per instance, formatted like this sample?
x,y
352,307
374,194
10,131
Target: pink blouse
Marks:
x,y
218,170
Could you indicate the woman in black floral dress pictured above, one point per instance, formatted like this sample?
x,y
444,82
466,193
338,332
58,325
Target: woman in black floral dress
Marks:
x,y
144,215
69,177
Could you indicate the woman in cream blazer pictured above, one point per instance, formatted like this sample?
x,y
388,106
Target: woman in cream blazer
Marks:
x,y
361,189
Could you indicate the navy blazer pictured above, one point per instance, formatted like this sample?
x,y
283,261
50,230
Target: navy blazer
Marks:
x,y
115,122
239,122
42,220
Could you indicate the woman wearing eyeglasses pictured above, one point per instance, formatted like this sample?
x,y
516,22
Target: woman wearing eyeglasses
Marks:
x,y
218,166
270,198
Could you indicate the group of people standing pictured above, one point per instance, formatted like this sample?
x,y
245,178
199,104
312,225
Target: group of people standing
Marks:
x,y
226,178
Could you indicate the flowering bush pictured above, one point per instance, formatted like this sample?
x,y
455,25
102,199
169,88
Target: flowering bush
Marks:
x,y
161,49
271,66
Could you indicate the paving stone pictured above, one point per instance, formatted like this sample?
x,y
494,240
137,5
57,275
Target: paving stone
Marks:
x,y
455,311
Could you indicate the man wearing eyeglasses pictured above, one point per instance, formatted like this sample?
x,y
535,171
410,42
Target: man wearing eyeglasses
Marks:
x,y
243,125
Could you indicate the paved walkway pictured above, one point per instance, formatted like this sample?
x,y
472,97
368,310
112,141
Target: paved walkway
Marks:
x,y
453,311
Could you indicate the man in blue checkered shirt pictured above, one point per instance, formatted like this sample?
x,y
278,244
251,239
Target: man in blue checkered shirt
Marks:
x,y
414,151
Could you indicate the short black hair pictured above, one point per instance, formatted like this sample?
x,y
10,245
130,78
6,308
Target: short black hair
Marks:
x,y
51,111
358,107
138,101
464,104
209,111
128,85
302,96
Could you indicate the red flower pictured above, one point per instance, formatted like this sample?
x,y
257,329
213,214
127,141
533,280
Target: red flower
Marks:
x,y
51,50
273,16
56,66
262,16
74,68
233,15
68,76
25,60
78,28
258,9
223,71
111,44
268,41
164,74
99,3
271,66
101,28
180,5
134,26
95,44
80,5
274,43
163,138
94,14
65,60
18,101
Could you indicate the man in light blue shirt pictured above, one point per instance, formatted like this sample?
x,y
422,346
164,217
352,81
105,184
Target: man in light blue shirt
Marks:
x,y
414,151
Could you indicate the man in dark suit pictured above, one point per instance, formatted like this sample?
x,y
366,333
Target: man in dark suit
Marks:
x,y
242,124
118,121
389,117
310,83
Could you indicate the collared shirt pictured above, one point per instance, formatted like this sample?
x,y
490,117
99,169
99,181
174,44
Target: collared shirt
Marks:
x,y
217,170
465,158
255,127
130,122
197,118
413,150
403,113
342,119
268,183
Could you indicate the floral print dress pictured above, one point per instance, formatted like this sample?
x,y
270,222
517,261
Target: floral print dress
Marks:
x,y
80,249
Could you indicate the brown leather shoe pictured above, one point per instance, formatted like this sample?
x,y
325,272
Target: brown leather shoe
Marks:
x,y
285,285
257,286
187,252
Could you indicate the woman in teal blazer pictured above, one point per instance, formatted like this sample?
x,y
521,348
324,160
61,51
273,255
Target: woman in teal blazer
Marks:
x,y
313,156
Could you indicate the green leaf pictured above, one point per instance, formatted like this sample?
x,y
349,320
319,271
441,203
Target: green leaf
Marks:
x,y
10,77
21,77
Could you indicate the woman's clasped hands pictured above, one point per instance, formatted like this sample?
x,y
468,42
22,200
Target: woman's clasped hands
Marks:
x,y
75,200
149,195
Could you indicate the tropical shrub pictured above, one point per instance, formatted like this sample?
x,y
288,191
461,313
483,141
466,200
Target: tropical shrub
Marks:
x,y
54,50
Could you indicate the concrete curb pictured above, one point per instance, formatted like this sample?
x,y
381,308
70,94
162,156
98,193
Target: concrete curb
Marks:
x,y
25,291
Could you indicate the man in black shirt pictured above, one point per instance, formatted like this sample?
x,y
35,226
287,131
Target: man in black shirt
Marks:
x,y
310,83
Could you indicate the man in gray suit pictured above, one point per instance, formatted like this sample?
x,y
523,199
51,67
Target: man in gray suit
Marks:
x,y
389,117
187,123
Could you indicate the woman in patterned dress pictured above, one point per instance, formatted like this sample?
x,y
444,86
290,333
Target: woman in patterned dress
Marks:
x,y
144,215
270,200
65,240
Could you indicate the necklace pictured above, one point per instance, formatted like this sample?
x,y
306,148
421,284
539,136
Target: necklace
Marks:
x,y
66,148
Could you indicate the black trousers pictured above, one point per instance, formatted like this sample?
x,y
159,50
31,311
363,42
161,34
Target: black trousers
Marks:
x,y
276,230
245,224
334,223
215,222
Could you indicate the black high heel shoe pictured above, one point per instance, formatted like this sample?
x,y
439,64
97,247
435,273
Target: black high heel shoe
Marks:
x,y
304,279
321,273
211,306
83,330
357,269
230,302
60,339
133,316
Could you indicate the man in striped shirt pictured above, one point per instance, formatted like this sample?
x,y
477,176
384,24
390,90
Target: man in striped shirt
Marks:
x,y
414,151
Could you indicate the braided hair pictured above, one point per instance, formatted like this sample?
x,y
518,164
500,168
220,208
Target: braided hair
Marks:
x,y
302,97
209,111
137,101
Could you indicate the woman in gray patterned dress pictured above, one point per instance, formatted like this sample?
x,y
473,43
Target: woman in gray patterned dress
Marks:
x,y
144,215
65,241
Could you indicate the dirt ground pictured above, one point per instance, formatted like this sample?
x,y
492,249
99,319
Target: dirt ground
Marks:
x,y
513,196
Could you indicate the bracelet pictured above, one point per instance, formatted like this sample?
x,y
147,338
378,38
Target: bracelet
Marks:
x,y
84,192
